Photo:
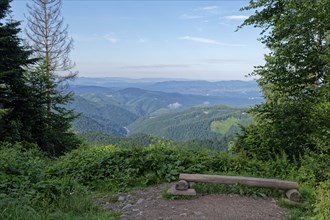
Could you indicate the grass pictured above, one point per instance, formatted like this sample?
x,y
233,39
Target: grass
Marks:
x,y
223,127
236,189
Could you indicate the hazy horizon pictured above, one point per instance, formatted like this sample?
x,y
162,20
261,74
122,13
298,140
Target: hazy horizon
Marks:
x,y
194,40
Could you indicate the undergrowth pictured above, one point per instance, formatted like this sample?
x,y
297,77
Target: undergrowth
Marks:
x,y
33,186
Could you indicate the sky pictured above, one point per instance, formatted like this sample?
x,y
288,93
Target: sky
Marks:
x,y
159,39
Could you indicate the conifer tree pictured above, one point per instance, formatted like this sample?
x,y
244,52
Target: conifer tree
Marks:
x,y
23,103
14,97
51,44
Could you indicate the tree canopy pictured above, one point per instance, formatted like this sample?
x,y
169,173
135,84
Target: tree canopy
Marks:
x,y
14,122
294,79
32,104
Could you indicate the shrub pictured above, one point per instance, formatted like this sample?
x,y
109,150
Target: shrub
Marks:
x,y
322,205
21,166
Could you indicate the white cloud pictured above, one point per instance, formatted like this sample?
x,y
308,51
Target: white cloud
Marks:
x,y
237,17
203,12
174,105
208,8
190,17
111,37
199,40
206,41
95,37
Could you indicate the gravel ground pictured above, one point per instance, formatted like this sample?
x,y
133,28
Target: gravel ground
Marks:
x,y
149,204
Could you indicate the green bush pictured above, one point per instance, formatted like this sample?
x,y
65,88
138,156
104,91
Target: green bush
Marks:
x,y
26,192
314,168
35,187
21,167
125,167
322,205
121,168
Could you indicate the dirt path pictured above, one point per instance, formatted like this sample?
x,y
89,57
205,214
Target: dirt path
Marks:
x,y
149,204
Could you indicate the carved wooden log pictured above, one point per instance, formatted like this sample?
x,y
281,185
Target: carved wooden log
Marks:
x,y
247,181
293,195
182,185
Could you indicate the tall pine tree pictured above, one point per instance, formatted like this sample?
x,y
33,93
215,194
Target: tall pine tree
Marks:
x,y
51,130
25,114
14,100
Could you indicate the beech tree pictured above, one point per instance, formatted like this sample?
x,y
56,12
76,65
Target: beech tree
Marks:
x,y
294,79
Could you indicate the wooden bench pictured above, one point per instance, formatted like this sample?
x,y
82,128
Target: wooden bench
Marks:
x,y
183,187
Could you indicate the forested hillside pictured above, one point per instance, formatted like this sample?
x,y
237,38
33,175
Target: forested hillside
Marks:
x,y
100,115
112,112
194,123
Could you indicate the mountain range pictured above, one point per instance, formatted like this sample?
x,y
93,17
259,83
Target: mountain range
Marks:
x,y
177,110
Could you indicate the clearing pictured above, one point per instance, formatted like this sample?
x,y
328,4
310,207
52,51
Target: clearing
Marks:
x,y
149,204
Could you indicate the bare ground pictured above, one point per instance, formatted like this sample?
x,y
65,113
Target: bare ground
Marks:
x,y
149,204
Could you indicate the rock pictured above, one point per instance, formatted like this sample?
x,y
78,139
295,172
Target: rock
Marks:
x,y
139,201
183,214
135,210
121,198
127,206
198,213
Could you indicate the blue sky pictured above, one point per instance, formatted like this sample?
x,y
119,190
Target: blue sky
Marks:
x,y
166,39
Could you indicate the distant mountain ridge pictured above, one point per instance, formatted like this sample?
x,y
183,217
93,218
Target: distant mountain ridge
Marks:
x,y
119,106
168,85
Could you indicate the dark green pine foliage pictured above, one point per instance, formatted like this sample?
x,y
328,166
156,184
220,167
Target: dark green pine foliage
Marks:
x,y
24,114
52,130
14,122
295,116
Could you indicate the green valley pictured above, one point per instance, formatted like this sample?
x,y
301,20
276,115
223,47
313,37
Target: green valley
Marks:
x,y
194,123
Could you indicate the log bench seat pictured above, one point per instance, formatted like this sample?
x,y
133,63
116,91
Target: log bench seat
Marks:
x,y
183,187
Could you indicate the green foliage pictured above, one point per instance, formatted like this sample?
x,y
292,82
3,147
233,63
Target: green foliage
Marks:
x,y
100,115
295,78
314,169
27,193
33,101
14,95
136,140
124,167
223,127
236,189
35,187
21,167
50,120
322,206
191,124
